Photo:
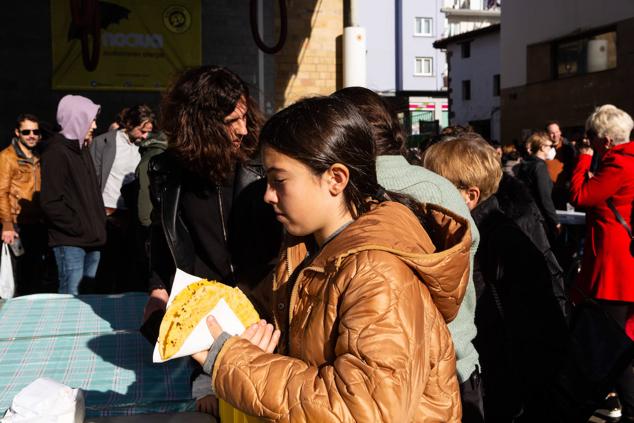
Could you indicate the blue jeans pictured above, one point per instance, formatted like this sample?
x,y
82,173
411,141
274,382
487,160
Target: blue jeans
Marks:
x,y
74,264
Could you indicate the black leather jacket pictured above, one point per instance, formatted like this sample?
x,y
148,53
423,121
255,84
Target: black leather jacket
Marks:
x,y
253,236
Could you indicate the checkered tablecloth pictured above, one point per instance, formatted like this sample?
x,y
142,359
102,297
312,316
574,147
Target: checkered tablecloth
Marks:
x,y
89,342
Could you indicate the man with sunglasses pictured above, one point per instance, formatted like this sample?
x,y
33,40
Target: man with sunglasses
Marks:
x,y
20,213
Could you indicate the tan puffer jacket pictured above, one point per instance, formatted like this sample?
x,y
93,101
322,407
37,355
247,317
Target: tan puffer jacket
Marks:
x,y
366,323
19,187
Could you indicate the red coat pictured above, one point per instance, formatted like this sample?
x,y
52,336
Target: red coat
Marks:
x,y
607,270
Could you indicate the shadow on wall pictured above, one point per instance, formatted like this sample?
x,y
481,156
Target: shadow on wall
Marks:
x,y
311,61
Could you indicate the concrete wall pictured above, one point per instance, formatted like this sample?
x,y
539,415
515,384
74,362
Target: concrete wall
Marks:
x,y
479,68
530,22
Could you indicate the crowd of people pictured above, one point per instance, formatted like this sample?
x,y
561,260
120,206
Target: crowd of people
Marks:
x,y
428,289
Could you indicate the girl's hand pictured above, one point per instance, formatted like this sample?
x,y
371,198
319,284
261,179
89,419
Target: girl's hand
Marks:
x,y
262,335
259,334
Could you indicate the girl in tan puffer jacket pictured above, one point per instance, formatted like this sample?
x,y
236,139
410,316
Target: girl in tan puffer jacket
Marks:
x,y
362,292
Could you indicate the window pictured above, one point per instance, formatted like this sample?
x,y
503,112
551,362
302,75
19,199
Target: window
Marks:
x,y
587,54
424,66
466,89
424,27
496,85
465,49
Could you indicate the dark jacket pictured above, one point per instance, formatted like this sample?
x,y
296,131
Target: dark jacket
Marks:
x,y
518,205
534,173
70,198
521,330
253,234
103,150
156,144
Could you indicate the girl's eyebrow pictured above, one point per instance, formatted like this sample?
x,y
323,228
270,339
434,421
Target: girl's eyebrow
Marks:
x,y
274,169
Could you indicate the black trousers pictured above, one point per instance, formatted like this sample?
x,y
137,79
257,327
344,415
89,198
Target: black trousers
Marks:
x,y
30,267
625,383
471,398
119,268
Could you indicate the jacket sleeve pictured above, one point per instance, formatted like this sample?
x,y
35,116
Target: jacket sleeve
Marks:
x,y
544,190
6,170
144,203
592,192
96,152
54,175
380,370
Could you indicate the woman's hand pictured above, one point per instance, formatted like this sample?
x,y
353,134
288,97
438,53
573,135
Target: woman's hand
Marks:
x,y
260,334
157,301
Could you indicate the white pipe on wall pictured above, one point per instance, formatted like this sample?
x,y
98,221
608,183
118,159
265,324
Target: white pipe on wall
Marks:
x,y
354,57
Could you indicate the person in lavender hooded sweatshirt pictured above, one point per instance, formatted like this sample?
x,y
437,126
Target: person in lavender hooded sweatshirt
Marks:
x,y
70,197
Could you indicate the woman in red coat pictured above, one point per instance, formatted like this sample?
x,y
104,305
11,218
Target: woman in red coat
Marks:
x,y
607,270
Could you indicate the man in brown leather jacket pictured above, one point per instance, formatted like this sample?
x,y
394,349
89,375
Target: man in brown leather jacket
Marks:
x,y
20,211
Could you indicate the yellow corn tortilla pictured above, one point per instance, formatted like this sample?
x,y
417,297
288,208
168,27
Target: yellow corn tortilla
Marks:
x,y
192,304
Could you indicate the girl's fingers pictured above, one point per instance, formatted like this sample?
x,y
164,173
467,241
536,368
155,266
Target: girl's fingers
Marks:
x,y
214,327
259,333
273,343
250,331
266,337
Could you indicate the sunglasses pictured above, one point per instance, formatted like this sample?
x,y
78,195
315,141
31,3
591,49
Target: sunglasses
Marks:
x,y
26,132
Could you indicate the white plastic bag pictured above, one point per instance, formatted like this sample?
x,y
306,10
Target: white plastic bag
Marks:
x,y
7,284
46,401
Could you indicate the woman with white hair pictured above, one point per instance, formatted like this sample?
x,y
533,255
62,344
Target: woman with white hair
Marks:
x,y
607,269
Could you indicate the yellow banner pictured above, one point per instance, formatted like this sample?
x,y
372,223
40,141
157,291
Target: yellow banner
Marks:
x,y
140,43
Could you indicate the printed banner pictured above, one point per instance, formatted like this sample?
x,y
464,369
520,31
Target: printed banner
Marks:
x,y
130,45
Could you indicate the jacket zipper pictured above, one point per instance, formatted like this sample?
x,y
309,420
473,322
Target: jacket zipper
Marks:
x,y
224,232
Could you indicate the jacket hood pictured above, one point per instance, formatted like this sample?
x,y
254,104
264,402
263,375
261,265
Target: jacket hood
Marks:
x,y
437,251
75,115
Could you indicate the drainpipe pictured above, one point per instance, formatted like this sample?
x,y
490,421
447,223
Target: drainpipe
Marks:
x,y
398,43
354,51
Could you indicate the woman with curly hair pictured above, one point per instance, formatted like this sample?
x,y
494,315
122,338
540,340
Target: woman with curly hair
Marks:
x,y
209,218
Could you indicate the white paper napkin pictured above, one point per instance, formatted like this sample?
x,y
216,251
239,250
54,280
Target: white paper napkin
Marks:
x,y
200,339
45,400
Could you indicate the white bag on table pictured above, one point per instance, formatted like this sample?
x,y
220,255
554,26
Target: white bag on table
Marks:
x,y
7,284
46,401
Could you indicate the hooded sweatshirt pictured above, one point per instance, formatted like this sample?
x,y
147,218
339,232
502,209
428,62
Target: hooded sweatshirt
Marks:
x,y
75,115
70,198
366,319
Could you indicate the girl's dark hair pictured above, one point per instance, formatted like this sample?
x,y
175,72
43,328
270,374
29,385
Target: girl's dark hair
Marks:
x,y
192,116
322,131
387,132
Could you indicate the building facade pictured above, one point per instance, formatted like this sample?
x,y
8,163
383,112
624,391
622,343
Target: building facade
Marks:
x,y
470,15
474,79
402,62
560,65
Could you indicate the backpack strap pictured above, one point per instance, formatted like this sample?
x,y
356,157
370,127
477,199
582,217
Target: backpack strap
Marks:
x,y
619,217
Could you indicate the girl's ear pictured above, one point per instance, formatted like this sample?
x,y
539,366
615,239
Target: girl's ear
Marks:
x,y
337,177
